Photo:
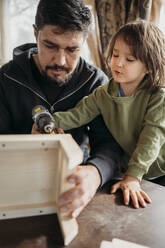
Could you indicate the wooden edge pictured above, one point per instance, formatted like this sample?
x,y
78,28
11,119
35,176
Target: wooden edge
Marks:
x,y
72,156
72,151
26,211
69,228
33,137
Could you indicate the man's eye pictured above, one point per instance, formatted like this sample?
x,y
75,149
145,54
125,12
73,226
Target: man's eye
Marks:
x,y
115,55
50,47
73,50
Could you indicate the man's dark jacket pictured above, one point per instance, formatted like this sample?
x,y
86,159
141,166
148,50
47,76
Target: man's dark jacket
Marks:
x,y
19,93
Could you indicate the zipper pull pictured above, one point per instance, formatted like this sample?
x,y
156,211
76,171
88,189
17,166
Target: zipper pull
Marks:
x,y
52,109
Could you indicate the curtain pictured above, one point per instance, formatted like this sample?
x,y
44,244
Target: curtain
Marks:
x,y
16,19
114,13
93,40
155,11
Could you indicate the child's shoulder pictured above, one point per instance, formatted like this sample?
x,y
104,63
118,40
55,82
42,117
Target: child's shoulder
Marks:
x,y
162,91
158,98
159,93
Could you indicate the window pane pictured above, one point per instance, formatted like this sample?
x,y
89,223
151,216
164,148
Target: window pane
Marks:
x,y
162,17
20,18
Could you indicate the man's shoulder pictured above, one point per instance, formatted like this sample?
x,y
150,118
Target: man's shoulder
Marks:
x,y
4,68
10,68
20,62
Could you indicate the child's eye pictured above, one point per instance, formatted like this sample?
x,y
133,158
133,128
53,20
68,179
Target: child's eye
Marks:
x,y
130,60
115,55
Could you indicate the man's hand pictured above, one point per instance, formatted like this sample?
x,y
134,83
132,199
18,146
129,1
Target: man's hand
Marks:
x,y
35,130
87,180
131,189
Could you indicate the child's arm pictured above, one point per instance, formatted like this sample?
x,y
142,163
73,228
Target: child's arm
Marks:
x,y
131,190
84,112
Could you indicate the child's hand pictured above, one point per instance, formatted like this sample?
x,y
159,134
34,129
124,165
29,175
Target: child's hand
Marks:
x,y
131,188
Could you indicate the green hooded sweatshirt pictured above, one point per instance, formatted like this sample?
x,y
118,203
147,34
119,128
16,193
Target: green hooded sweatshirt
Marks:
x,y
137,123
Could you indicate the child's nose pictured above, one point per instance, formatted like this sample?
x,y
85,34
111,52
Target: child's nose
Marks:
x,y
120,62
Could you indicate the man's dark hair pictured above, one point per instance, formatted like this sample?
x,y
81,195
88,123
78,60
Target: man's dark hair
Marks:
x,y
67,14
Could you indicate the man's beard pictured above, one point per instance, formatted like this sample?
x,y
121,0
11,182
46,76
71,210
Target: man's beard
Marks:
x,y
59,82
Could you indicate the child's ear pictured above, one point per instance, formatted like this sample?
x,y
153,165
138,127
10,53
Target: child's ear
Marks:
x,y
146,70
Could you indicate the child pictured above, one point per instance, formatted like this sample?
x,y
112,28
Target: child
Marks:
x,y
132,105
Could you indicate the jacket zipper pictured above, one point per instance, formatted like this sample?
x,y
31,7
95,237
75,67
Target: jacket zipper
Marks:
x,y
51,107
13,79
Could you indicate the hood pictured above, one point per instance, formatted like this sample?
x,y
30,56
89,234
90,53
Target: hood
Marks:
x,y
21,53
23,49
19,69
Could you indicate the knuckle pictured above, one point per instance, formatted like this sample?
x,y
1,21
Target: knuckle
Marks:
x,y
82,201
81,191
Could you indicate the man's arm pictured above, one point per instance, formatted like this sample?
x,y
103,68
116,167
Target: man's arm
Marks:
x,y
86,181
105,153
103,164
100,167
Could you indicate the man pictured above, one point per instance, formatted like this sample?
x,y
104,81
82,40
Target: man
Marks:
x,y
53,74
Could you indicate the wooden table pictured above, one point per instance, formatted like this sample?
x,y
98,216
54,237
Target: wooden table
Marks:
x,y
103,219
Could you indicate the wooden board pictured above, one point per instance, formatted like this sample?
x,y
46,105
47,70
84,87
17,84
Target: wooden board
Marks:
x,y
118,243
33,172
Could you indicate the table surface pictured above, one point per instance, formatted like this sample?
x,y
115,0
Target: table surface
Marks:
x,y
104,218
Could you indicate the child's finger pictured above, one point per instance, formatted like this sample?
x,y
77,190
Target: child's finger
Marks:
x,y
141,199
126,196
145,196
115,187
134,199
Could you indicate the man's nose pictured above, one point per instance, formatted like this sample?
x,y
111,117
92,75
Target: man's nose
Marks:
x,y
60,58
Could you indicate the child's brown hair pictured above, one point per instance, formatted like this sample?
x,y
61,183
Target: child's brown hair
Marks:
x,y
146,43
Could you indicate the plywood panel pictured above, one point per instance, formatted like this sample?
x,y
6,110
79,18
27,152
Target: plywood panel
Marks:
x,y
33,173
